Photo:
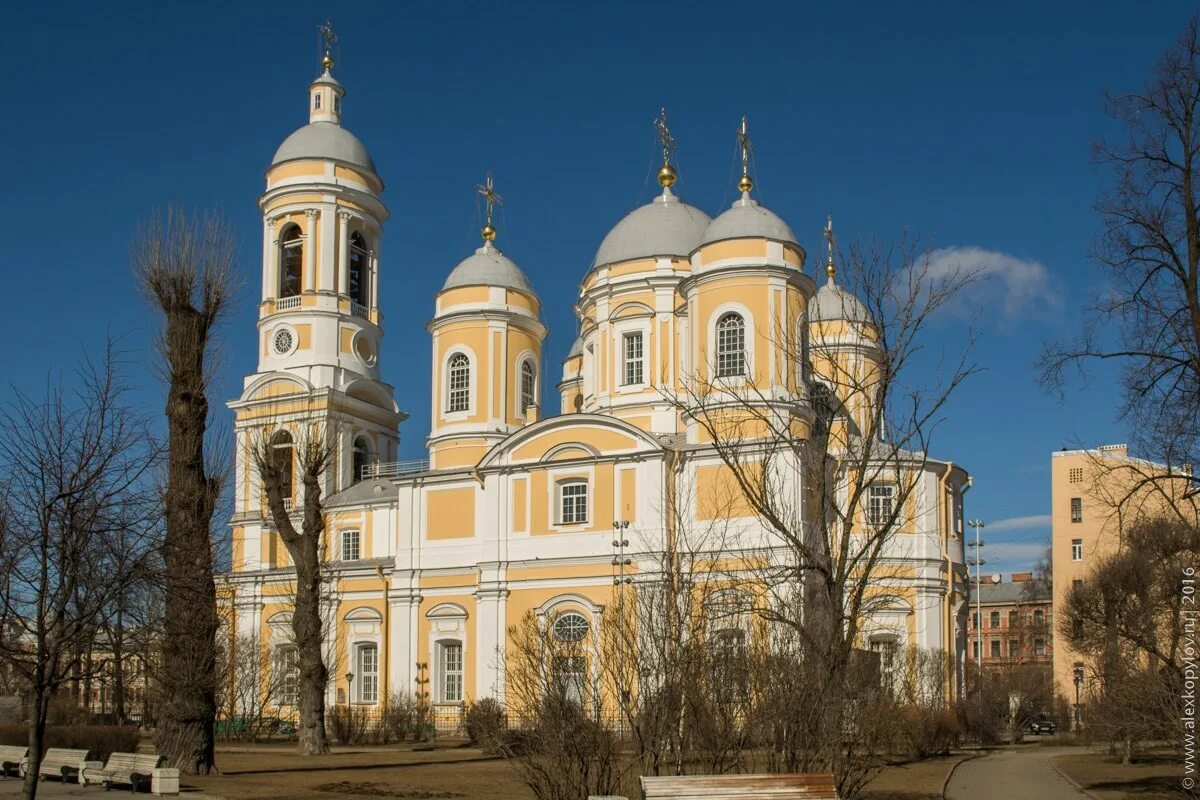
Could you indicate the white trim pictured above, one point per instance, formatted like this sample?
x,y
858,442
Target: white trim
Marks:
x,y
472,382
748,337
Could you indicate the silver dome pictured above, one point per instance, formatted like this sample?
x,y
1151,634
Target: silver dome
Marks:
x,y
324,140
664,227
488,267
832,302
746,219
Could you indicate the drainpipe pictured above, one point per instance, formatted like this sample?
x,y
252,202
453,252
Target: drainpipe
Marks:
x,y
387,627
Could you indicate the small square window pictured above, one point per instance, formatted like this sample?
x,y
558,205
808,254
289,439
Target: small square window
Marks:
x,y
1076,474
1077,549
349,545
1076,509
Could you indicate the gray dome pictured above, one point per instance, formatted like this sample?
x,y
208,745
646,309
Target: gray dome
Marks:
x,y
488,267
664,227
746,219
324,140
832,302
576,348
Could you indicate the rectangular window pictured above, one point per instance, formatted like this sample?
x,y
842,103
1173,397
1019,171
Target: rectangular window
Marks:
x,y
317,102
881,499
1012,619
368,674
452,672
572,503
975,621
1076,509
1014,648
287,674
887,662
634,359
1039,617
1039,647
570,678
349,545
975,649
1077,549
995,648
994,620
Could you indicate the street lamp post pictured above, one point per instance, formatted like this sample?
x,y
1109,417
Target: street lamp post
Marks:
x,y
977,562
1078,686
349,688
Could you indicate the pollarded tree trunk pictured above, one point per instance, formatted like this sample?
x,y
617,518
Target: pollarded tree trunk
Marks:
x,y
186,732
185,267
313,455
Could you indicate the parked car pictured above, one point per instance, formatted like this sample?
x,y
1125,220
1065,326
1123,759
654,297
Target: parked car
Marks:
x,y
1043,724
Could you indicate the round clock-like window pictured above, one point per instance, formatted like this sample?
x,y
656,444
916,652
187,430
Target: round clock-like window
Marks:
x,y
283,341
364,348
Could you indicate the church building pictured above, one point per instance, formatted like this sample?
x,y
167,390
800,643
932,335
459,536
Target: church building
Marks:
x,y
517,508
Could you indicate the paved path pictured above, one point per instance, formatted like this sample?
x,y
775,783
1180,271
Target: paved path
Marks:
x,y
1023,774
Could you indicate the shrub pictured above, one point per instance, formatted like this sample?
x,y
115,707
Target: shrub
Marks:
x,y
102,740
486,724
398,719
348,723
930,732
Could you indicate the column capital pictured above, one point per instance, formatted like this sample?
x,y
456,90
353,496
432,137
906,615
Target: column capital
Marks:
x,y
271,221
344,215
311,213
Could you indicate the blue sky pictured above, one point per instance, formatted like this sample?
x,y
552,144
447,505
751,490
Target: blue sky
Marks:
x,y
966,124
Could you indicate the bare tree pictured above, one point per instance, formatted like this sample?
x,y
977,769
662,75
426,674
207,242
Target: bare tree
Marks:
x,y
1130,616
1149,248
823,551
77,516
310,452
185,266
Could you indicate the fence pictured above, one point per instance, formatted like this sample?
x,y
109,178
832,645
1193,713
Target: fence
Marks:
x,y
353,724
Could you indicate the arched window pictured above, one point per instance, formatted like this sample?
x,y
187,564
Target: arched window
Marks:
x,y
528,386
570,627
358,269
458,384
359,458
281,452
291,261
731,346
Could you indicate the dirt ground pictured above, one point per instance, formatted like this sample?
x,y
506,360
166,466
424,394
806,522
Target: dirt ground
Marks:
x,y
265,772
1156,777
441,772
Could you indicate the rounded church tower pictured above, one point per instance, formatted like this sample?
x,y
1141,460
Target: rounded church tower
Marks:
x,y
487,353
746,302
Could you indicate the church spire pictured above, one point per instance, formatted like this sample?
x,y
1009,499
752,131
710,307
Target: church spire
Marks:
x,y
831,243
325,94
487,191
666,174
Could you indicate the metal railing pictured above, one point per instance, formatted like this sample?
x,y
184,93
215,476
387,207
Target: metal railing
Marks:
x,y
393,469
359,310
285,303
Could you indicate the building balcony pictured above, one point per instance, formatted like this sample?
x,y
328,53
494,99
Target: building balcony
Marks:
x,y
394,469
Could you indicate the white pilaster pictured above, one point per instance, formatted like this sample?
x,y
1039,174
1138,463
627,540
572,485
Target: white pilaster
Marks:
x,y
328,247
373,260
310,251
343,262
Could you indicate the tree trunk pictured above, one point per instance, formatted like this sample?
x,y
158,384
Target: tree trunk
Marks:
x,y
307,631
186,734
37,739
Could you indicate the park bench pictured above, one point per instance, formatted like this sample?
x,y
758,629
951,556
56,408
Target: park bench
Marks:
x,y
135,769
740,787
62,762
12,757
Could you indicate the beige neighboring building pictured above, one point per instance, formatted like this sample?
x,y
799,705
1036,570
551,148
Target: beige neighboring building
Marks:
x,y
1095,495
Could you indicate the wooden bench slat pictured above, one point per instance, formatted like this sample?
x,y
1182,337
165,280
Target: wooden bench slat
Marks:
x,y
740,787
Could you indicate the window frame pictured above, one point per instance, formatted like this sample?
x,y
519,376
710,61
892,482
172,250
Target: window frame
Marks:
x,y
455,393
291,254
722,350
285,658
1076,509
526,394
873,516
994,620
995,650
358,248
1077,549
584,496
571,613
362,697
629,361
345,535
443,647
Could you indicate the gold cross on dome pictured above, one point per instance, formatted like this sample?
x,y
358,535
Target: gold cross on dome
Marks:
x,y
743,136
666,141
487,191
831,243
325,31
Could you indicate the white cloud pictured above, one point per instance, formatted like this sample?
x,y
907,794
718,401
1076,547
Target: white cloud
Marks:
x,y
1019,523
1014,287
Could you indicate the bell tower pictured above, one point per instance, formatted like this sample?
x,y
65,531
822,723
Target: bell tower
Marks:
x,y
319,324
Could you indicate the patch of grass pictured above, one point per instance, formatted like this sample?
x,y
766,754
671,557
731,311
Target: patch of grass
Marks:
x,y
374,789
913,780
1153,777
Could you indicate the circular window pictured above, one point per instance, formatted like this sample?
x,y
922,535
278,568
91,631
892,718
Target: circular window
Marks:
x,y
283,341
570,627
364,348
